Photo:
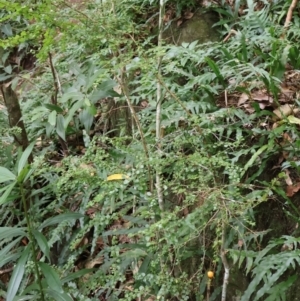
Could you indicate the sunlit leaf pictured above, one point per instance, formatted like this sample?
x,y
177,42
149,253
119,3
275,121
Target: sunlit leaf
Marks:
x,y
24,158
117,176
293,119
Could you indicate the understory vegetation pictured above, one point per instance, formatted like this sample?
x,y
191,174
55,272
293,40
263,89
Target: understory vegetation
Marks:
x,y
136,169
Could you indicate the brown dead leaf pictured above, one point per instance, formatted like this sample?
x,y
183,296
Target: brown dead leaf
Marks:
x,y
291,190
188,15
287,247
243,98
168,16
284,111
260,96
92,262
249,108
179,22
288,180
286,93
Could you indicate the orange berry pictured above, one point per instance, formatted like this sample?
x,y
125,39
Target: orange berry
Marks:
x,y
210,274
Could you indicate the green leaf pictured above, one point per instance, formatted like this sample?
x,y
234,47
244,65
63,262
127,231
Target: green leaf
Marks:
x,y
24,157
6,175
25,174
71,112
52,118
7,29
42,242
59,296
215,69
52,107
73,95
104,90
7,192
4,76
8,69
255,156
76,275
86,119
9,232
51,277
7,249
60,129
17,275
60,218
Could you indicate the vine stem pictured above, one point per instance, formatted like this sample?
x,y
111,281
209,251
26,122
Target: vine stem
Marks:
x,y
29,226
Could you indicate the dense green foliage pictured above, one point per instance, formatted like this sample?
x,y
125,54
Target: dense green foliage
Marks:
x,y
87,79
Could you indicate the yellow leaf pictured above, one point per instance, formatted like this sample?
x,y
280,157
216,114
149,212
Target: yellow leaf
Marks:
x,y
117,176
293,119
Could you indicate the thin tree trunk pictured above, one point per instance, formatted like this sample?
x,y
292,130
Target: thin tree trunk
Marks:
x,y
15,116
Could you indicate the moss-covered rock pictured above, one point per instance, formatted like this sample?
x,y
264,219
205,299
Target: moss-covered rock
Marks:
x,y
199,27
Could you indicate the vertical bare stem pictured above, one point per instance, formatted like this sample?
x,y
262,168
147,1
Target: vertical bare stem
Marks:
x,y
158,104
225,264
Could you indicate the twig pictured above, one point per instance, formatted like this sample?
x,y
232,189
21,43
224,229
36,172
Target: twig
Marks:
x,y
289,17
290,13
231,32
5,271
